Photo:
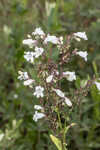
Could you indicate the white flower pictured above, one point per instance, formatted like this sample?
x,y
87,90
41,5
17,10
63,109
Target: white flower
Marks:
x,y
77,39
28,82
59,93
38,107
82,54
38,115
29,36
15,96
70,75
98,85
29,42
38,51
52,39
38,32
1,136
29,56
81,35
57,73
68,102
49,78
23,75
38,91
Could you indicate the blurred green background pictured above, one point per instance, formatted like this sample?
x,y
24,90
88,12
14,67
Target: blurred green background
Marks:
x,y
60,17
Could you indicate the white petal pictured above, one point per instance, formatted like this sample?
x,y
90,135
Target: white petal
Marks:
x,y
38,107
69,75
81,35
38,32
52,39
59,92
28,82
38,91
29,42
98,85
82,54
37,116
49,78
68,102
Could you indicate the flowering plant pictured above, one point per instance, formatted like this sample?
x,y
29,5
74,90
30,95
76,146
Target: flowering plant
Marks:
x,y
55,103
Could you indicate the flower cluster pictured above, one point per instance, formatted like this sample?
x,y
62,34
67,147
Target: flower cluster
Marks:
x,y
24,76
38,115
46,86
61,94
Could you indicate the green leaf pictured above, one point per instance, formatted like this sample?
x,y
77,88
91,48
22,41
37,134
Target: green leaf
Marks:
x,y
95,68
55,54
56,141
78,83
96,97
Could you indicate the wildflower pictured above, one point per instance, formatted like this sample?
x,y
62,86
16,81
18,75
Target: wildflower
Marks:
x,y
81,35
59,93
77,39
15,96
23,75
29,42
38,51
70,75
82,54
68,102
52,39
98,85
56,72
38,91
49,78
38,32
38,115
38,107
28,82
29,56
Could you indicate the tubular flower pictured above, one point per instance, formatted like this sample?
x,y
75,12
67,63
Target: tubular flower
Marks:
x,y
81,35
38,107
23,75
38,52
38,116
29,56
68,102
51,38
38,91
28,82
59,93
82,54
29,42
69,75
38,32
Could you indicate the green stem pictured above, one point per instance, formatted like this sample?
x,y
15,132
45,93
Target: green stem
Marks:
x,y
60,124
63,139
